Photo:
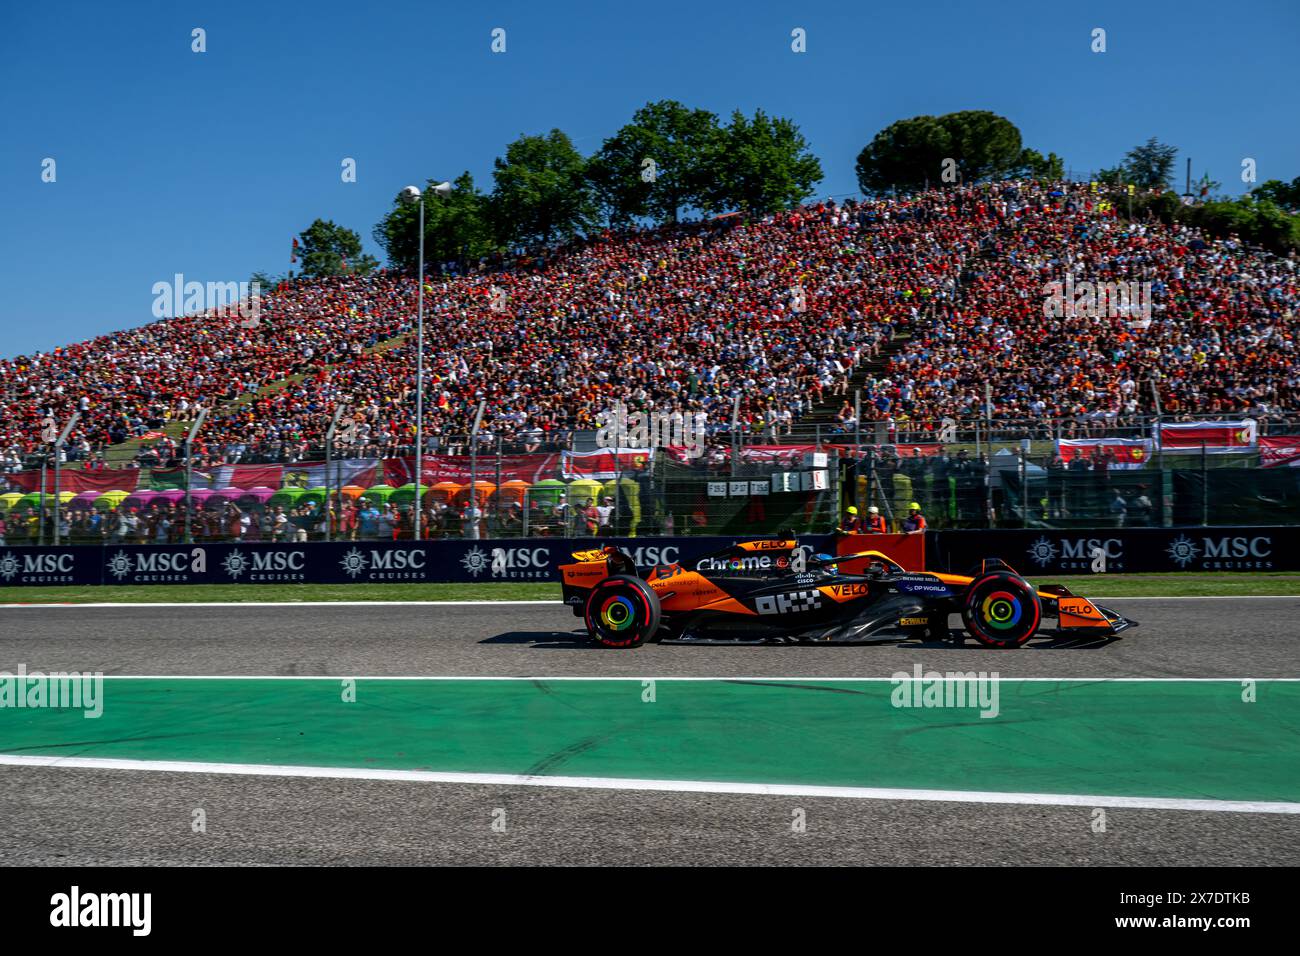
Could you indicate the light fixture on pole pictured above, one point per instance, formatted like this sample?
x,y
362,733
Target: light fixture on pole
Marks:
x,y
58,452
409,195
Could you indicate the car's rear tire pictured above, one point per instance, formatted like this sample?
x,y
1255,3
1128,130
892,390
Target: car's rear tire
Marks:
x,y
622,611
1001,609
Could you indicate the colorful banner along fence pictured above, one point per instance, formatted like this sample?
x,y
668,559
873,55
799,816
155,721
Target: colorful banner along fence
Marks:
x,y
1217,438
1039,555
1280,452
76,480
1124,453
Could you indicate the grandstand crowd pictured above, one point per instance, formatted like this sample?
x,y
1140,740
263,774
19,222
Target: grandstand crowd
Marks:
x,y
920,301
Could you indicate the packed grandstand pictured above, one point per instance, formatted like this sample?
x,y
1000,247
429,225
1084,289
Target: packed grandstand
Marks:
x,y
914,310
920,301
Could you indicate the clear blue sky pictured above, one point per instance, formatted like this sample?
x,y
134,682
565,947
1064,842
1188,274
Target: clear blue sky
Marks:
x,y
207,164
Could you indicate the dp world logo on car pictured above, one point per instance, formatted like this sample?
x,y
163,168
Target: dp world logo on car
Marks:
x,y
516,563
1222,552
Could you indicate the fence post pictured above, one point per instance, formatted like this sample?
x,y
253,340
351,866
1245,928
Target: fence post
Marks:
x,y
1024,488
1205,487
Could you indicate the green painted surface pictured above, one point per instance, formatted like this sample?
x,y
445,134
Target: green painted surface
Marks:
x,y
1153,739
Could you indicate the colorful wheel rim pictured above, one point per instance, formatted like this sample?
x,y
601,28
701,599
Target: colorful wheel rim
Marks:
x,y
1001,610
617,613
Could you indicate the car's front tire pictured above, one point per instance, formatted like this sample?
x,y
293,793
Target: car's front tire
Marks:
x,y
1001,609
622,611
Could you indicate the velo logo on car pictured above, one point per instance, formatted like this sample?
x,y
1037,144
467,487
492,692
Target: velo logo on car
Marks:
x,y
793,603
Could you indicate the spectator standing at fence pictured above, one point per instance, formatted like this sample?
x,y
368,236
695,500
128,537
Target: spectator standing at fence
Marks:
x,y
851,524
914,523
279,524
1118,508
1141,507
368,522
876,521
387,523
472,517
605,515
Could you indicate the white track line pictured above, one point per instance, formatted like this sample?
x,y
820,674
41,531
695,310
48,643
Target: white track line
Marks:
x,y
551,601
723,679
668,786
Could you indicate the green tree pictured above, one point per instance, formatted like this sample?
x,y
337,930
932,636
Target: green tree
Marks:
x,y
456,227
759,165
1150,166
971,145
656,165
1286,195
541,193
1033,165
329,249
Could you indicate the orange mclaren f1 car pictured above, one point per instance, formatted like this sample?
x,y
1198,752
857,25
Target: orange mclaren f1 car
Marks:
x,y
775,591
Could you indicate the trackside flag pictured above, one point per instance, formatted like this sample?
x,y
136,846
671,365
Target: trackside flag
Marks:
x,y
223,476
348,471
1218,438
1280,452
605,463
293,253
1125,452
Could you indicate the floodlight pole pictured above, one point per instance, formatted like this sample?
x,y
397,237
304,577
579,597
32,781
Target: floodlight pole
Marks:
x,y
473,465
329,458
58,447
189,469
419,383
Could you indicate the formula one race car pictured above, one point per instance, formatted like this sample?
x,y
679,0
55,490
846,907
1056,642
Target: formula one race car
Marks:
x,y
773,591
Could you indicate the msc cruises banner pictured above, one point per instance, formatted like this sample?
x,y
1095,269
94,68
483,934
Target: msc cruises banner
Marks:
x,y
340,562
1036,554
1040,554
